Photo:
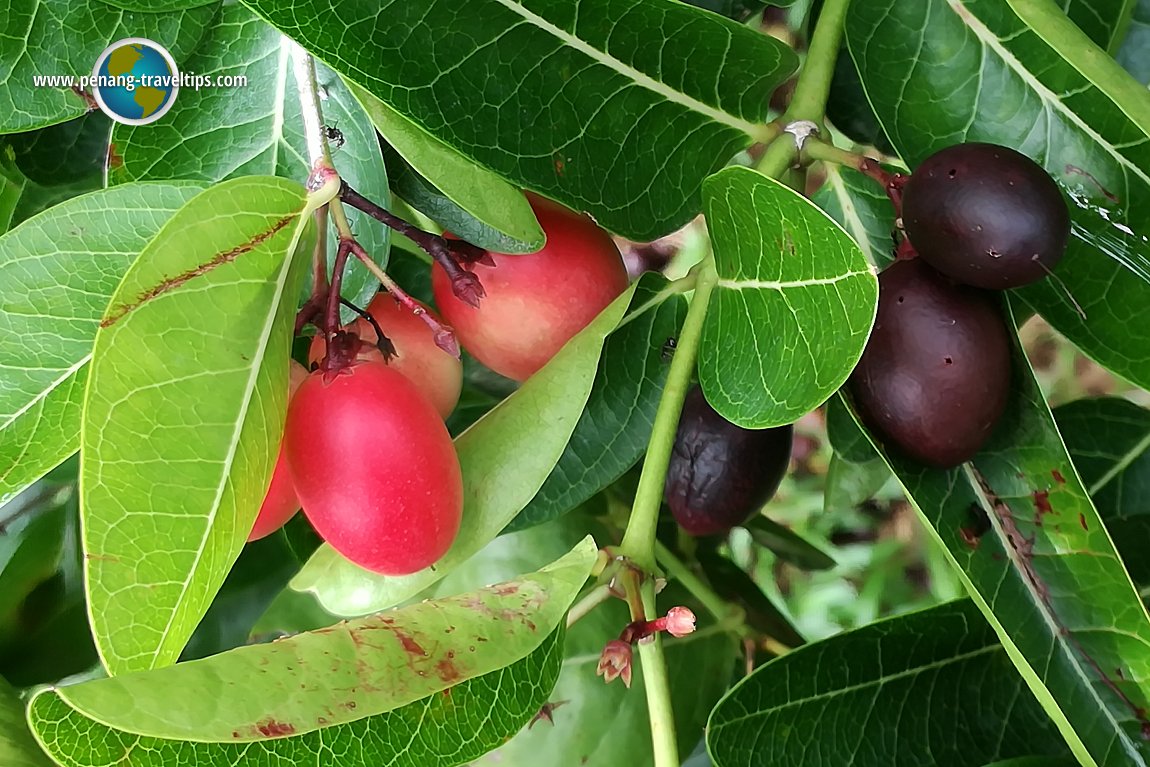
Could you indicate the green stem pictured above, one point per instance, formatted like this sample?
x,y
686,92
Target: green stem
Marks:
x,y
594,598
677,570
639,540
780,155
809,101
658,689
319,155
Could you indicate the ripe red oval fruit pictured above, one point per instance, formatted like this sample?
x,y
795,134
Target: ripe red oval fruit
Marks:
x,y
280,503
720,474
535,303
374,468
935,375
985,215
436,373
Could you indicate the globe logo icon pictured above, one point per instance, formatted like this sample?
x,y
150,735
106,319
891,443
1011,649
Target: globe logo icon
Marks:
x,y
136,81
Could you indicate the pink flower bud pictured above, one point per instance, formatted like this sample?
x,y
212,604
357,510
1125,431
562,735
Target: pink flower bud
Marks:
x,y
615,662
680,621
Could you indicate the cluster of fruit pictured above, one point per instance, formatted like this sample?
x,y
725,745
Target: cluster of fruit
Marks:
x,y
935,376
365,451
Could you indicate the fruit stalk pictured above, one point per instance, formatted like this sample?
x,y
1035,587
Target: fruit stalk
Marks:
x,y
447,253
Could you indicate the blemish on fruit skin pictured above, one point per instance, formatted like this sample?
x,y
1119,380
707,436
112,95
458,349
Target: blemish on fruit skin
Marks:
x,y
1058,476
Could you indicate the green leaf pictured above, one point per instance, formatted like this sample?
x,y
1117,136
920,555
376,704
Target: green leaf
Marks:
x,y
67,262
1035,761
12,183
850,484
1109,440
737,9
183,410
734,584
31,548
848,441
157,5
1134,55
219,133
342,673
443,730
788,545
505,457
1020,527
66,152
17,746
615,426
1019,73
793,307
861,207
65,37
1103,21
933,687
466,199
614,107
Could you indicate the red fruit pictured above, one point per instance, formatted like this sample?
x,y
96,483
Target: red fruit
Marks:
x,y
435,372
535,303
374,468
280,502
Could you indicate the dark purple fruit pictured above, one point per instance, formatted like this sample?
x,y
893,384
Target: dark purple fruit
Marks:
x,y
986,215
935,374
721,474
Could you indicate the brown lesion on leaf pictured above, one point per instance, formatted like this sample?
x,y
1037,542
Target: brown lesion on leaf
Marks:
x,y
1024,549
116,313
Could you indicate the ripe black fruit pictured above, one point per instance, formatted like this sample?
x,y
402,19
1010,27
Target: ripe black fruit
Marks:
x,y
935,375
985,215
721,474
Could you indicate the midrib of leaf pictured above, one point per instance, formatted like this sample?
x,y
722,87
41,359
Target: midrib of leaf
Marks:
x,y
755,130
47,390
1075,57
787,284
878,682
852,221
1121,465
278,114
1053,624
241,420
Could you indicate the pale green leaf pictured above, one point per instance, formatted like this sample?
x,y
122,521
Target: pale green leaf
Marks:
x,y
67,262
183,411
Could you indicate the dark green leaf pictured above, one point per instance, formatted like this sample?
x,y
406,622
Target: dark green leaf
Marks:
x,y
12,183
793,307
613,430
442,730
737,9
1103,21
850,484
1134,54
33,526
211,395
1020,526
849,441
734,584
17,746
1021,74
788,545
212,134
66,152
933,687
68,262
1109,440
65,37
1035,761
633,105
861,207
157,5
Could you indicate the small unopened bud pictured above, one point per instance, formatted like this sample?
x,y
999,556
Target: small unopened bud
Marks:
x,y
680,621
445,339
467,288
